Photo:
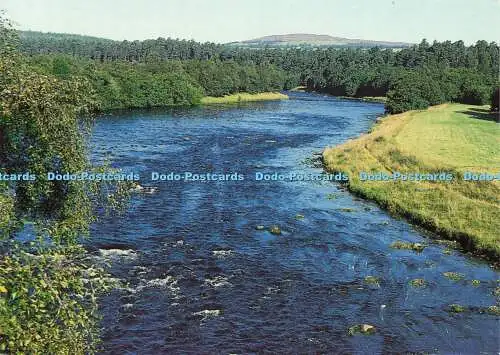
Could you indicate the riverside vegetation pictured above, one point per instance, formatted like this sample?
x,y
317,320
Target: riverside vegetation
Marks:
x,y
411,78
48,285
243,97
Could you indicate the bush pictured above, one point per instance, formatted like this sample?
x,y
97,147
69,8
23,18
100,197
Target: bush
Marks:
x,y
48,303
474,93
494,100
406,94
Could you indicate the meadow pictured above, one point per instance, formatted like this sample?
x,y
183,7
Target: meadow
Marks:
x,y
452,138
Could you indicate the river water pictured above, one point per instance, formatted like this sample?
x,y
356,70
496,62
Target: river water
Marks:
x,y
198,277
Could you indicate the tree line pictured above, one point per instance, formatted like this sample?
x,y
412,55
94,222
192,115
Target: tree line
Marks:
x,y
101,49
411,78
122,84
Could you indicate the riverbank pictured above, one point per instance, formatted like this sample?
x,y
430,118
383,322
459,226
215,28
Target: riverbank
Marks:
x,y
450,138
376,99
243,97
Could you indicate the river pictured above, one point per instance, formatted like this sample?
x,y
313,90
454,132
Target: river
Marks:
x,y
199,277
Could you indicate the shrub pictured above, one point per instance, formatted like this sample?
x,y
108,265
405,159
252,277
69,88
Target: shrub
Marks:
x,y
494,100
48,303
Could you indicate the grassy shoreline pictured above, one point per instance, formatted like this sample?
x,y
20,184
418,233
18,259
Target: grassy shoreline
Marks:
x,y
376,99
243,97
446,138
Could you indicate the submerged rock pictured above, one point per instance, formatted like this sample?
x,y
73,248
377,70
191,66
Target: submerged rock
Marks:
x,y
299,216
496,292
127,307
217,281
208,313
418,283
493,310
347,209
276,230
161,282
447,243
169,283
222,253
456,308
455,276
372,280
118,253
366,329
408,246
144,189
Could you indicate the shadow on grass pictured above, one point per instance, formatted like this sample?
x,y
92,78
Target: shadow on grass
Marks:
x,y
483,114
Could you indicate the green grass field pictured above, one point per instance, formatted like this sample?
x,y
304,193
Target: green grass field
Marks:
x,y
453,138
451,135
243,97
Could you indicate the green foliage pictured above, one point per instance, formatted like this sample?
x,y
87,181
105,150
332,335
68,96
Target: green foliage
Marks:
x,y
61,67
406,94
161,83
243,97
441,72
418,89
456,308
8,38
7,217
47,302
34,43
47,292
474,92
122,85
40,133
495,97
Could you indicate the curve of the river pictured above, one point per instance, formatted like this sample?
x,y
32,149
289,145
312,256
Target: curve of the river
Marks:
x,y
199,277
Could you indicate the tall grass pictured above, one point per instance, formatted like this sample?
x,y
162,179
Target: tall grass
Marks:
x,y
243,97
447,138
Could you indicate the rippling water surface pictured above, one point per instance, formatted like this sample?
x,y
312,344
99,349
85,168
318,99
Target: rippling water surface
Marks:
x,y
200,278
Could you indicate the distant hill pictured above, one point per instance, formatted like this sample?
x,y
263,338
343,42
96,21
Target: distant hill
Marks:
x,y
303,39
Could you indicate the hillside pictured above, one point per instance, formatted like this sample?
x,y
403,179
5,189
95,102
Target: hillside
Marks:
x,y
298,39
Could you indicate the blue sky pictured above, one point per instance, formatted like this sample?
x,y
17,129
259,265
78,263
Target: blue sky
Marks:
x,y
233,20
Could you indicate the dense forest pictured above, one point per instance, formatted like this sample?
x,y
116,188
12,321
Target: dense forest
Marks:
x,y
122,84
411,78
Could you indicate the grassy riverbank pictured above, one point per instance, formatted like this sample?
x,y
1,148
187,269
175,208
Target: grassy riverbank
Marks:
x,y
451,138
377,99
243,97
